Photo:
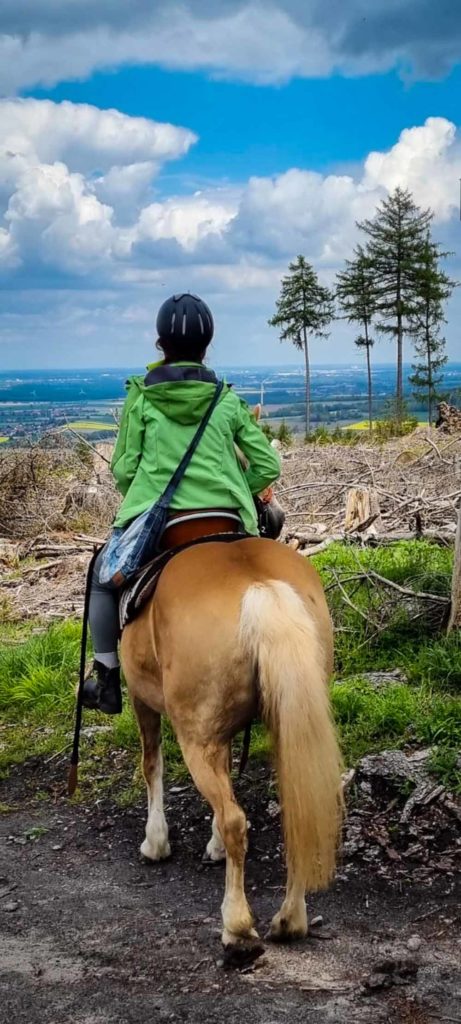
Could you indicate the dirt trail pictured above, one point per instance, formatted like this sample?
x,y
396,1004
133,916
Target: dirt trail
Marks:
x,y
90,935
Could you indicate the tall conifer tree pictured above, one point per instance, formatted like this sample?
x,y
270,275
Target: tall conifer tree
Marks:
x,y
305,308
356,295
396,239
433,288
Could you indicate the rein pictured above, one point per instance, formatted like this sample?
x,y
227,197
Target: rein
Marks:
x,y
73,770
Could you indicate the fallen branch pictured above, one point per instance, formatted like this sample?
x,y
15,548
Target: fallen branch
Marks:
x,y
436,1016
30,569
420,595
317,548
53,550
347,599
89,540
443,537
88,444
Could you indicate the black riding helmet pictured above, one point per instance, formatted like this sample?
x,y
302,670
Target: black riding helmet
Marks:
x,y
185,317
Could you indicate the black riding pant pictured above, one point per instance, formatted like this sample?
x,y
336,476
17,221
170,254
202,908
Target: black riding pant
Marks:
x,y
103,613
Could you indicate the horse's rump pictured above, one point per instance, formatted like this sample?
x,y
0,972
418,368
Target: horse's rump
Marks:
x,y
193,622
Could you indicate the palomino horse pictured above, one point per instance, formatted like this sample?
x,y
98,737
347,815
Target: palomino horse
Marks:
x,y
234,631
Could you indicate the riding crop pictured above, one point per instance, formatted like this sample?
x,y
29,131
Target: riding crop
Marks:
x,y
73,770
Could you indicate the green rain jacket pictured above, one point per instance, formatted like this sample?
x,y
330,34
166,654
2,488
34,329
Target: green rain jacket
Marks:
x,y
160,417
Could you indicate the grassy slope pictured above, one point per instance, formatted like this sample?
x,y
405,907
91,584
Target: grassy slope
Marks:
x,y
38,675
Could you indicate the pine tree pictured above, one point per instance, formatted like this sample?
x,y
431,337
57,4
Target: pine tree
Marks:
x,y
356,295
396,240
433,287
305,308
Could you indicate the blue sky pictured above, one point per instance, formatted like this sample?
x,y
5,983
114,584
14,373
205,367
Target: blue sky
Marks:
x,y
245,129
147,148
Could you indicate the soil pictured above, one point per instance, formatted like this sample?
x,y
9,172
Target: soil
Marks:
x,y
90,934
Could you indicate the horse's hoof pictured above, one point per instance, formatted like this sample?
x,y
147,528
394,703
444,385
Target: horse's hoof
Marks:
x,y
289,924
242,953
213,862
161,850
281,931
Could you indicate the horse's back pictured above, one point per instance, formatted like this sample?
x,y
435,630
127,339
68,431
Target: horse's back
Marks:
x,y
219,568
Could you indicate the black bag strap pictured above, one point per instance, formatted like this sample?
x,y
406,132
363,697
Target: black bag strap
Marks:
x,y
178,474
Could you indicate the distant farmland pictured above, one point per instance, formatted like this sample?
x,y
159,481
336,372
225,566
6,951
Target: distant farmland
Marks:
x,y
90,425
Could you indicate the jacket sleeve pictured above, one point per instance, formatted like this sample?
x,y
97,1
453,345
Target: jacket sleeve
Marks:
x,y
128,449
264,461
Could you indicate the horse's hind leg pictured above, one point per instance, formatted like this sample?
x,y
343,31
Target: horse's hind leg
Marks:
x,y
155,845
209,767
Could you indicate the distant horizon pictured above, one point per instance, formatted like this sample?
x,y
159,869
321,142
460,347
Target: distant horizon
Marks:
x,y
223,365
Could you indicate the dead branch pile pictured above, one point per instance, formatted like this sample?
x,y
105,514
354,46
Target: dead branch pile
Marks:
x,y
413,489
46,488
46,587
56,503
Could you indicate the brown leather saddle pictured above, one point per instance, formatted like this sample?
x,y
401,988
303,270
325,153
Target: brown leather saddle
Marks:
x,y
184,529
190,525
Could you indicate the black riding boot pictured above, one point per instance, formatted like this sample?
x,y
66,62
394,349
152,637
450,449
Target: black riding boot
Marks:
x,y
102,690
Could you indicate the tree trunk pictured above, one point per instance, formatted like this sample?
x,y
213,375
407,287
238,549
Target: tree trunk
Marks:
x,y
399,387
399,383
370,411
455,611
429,376
308,384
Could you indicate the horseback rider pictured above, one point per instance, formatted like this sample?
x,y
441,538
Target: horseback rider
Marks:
x,y
160,416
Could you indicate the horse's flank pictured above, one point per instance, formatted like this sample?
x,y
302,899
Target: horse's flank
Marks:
x,y
233,629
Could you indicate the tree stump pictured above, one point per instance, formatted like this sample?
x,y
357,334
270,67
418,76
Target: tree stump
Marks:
x,y
362,511
454,621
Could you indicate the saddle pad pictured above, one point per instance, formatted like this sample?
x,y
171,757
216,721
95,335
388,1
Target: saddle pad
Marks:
x,y
134,596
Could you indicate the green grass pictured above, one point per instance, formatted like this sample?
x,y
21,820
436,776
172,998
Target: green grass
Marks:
x,y
4,439
396,716
386,634
38,674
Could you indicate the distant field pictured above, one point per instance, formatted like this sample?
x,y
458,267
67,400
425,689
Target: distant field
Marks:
x,y
90,425
3,439
364,425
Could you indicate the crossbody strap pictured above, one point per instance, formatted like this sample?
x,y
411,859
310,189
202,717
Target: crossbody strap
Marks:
x,y
178,474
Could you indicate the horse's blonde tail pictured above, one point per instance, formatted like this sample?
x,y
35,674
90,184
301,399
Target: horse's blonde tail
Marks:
x,y
281,637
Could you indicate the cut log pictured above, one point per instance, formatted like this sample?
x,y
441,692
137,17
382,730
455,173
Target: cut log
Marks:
x,y
454,621
362,511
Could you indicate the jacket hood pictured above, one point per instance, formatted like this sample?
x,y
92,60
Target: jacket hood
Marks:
x,y
181,391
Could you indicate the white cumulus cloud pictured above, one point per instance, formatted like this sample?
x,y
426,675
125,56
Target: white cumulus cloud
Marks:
x,y
427,159
84,136
76,186
78,211
67,171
